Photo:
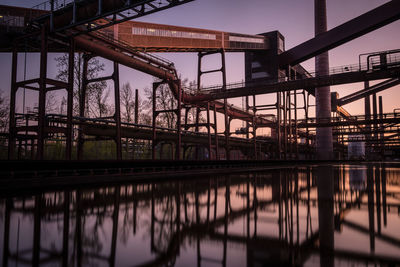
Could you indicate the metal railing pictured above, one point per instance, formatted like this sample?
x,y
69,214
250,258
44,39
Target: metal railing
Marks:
x,y
163,62
392,60
393,115
57,4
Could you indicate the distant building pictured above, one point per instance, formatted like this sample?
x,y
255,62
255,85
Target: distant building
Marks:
x,y
356,147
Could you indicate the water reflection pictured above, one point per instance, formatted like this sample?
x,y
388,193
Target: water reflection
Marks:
x,y
311,216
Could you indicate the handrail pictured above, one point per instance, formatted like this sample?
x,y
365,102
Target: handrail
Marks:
x,y
332,71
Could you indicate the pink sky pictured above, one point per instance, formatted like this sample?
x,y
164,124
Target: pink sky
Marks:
x,y
294,19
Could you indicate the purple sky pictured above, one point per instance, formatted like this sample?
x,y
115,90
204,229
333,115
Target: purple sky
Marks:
x,y
294,19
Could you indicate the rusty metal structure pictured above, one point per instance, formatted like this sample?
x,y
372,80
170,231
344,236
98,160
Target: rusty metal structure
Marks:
x,y
104,28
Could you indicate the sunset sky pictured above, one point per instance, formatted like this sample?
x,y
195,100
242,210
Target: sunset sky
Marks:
x,y
294,19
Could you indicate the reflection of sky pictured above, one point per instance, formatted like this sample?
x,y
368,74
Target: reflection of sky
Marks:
x,y
134,246
294,19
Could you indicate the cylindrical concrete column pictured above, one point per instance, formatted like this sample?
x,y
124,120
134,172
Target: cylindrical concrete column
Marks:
x,y
322,94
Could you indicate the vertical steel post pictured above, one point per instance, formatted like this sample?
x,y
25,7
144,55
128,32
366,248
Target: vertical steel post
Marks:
x,y
82,104
227,130
254,137
199,73
117,115
381,135
367,111
278,122
247,123
153,143
306,106
289,99
136,106
375,117
209,130
185,127
216,133
295,125
13,91
42,94
178,121
324,141
70,92
32,148
285,133
226,117
254,127
136,120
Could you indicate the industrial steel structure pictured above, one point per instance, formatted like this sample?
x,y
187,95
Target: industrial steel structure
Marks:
x,y
103,28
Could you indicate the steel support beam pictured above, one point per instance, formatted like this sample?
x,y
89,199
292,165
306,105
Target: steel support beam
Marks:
x,y
13,91
216,134
86,13
42,94
278,126
70,95
381,135
178,122
154,136
367,112
82,104
117,115
370,21
368,91
282,86
209,131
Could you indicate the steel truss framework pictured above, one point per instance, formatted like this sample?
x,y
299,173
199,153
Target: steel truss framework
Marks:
x,y
286,130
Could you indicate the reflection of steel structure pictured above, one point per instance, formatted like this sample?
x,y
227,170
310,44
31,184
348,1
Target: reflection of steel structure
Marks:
x,y
208,210
101,28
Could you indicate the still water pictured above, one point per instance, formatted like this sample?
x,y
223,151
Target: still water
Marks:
x,y
342,215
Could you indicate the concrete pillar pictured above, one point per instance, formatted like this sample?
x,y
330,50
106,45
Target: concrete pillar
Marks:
x,y
322,94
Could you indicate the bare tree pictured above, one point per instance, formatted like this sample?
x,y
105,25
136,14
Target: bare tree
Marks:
x,y
4,113
99,106
128,103
63,106
93,91
166,101
51,103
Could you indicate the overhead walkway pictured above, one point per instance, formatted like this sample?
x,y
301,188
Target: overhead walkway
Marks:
x,y
338,75
151,37
122,52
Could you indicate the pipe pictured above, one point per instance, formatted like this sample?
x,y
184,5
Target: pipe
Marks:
x,y
110,54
